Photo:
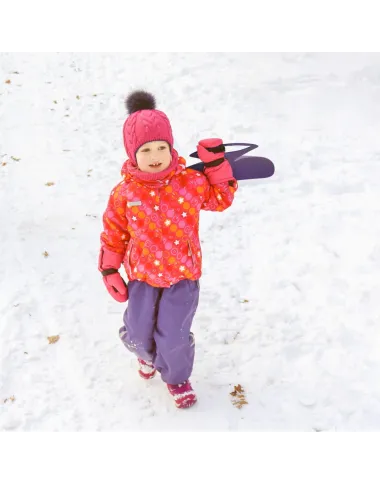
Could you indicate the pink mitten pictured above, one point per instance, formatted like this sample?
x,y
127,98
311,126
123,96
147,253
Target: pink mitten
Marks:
x,y
210,150
212,153
116,286
109,263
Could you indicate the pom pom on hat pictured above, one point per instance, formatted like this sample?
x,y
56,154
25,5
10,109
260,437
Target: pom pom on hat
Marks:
x,y
140,100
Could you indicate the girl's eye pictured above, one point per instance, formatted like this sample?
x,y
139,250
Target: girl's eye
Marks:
x,y
163,147
145,150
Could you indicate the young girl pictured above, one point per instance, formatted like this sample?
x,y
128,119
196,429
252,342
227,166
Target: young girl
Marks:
x,y
151,226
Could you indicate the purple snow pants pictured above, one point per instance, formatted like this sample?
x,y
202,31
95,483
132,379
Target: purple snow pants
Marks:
x,y
157,326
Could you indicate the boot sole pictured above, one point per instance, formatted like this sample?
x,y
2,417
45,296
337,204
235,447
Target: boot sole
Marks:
x,y
187,403
147,377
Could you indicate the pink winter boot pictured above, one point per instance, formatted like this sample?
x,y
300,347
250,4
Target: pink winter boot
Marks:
x,y
146,371
184,395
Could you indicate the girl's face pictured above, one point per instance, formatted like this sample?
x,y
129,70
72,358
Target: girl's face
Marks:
x,y
153,156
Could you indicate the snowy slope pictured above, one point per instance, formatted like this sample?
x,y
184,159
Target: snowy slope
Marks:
x,y
290,294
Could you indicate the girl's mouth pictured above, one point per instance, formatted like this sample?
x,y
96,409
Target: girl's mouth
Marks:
x,y
155,165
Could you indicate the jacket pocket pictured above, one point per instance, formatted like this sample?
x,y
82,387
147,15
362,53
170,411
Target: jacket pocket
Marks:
x,y
191,253
129,257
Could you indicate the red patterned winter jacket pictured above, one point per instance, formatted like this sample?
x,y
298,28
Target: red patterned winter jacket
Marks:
x,y
155,226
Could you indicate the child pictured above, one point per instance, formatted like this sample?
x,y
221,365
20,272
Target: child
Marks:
x,y
151,226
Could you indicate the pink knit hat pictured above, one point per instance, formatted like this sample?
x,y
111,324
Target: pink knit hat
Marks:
x,y
144,124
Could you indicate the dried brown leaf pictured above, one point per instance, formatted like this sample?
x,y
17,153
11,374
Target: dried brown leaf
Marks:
x,y
49,184
8,81
239,399
45,254
239,404
53,339
239,389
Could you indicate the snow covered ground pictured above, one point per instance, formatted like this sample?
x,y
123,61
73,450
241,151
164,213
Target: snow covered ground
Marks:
x,y
290,296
